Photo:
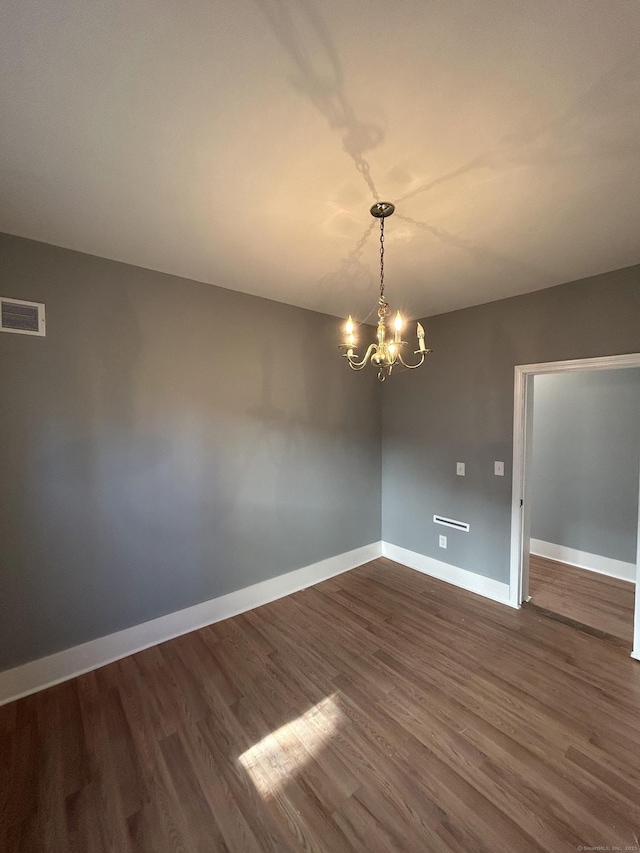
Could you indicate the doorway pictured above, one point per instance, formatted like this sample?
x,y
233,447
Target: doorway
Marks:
x,y
550,565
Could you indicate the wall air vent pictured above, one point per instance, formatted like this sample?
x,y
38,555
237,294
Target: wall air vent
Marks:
x,y
451,522
24,318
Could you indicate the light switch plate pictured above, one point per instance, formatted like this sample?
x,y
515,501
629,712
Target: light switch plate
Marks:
x,y
498,469
442,541
460,469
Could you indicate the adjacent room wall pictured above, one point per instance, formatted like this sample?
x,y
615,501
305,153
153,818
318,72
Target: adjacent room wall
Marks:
x,y
167,442
585,460
459,408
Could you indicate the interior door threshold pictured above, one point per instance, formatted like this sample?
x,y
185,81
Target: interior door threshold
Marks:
x,y
579,626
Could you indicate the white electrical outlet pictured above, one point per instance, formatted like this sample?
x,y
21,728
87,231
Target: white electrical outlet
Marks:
x,y
460,468
498,469
442,541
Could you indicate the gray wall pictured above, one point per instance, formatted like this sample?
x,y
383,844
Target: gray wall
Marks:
x,y
169,442
166,443
584,467
459,407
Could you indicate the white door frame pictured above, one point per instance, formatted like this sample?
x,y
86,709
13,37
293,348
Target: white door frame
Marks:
x,y
522,428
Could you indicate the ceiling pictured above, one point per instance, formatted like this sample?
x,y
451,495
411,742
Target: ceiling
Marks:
x,y
242,142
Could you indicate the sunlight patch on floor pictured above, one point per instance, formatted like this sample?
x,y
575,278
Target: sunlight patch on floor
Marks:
x,y
281,755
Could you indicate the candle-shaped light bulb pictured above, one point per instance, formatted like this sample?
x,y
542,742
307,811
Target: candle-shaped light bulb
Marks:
x,y
421,338
350,337
397,325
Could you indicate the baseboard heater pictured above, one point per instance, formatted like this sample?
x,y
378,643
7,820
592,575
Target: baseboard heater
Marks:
x,y
451,522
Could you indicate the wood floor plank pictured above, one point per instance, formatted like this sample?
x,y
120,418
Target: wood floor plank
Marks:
x,y
510,665
301,818
145,830
165,808
203,829
374,731
19,751
381,710
50,812
82,818
226,741
103,771
133,792
492,734
365,831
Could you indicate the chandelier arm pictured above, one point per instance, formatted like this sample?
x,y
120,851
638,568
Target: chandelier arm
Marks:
x,y
412,366
358,365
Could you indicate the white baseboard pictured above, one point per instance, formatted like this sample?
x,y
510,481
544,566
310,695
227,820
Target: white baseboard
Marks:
x,y
583,560
496,590
47,671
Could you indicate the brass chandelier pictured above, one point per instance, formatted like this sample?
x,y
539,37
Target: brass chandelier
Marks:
x,y
387,349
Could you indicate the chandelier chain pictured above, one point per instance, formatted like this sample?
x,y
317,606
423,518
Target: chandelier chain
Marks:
x,y
381,257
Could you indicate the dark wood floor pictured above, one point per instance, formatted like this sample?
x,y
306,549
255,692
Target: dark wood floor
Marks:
x,y
381,710
594,600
